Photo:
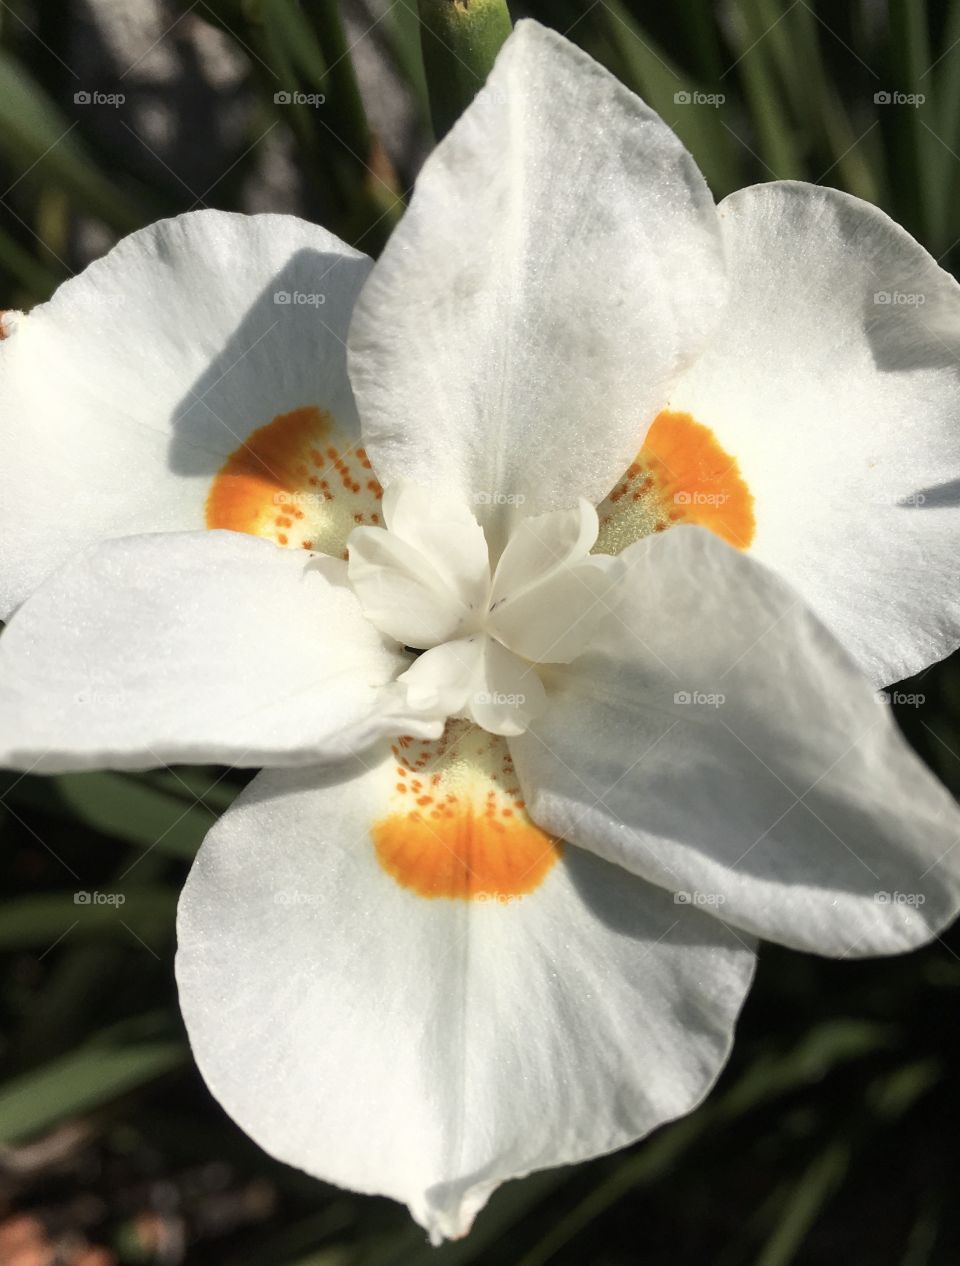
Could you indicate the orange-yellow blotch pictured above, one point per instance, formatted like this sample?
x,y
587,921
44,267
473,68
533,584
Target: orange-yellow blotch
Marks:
x,y
276,484
681,475
476,842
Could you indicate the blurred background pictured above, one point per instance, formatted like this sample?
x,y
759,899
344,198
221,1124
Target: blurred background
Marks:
x,y
834,1134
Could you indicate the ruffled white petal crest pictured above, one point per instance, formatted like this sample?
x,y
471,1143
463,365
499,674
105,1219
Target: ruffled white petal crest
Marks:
x,y
121,398
402,592
445,532
197,646
716,739
442,679
509,694
559,263
475,677
548,594
429,1048
834,381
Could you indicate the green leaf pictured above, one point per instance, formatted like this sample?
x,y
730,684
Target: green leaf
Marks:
x,y
38,280
832,1043
85,1079
800,1209
36,138
122,806
777,140
44,920
339,80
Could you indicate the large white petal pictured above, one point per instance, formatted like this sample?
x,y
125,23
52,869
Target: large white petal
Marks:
x,y
559,263
198,646
121,398
717,740
429,1048
834,381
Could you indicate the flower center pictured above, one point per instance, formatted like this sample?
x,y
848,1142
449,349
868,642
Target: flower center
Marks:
x,y
425,580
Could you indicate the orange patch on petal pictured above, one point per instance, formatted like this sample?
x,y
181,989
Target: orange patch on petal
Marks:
x,y
297,482
681,475
462,831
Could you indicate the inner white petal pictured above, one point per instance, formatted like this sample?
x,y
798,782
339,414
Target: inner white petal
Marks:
x,y
548,593
510,695
444,532
425,580
442,679
402,593
540,547
554,621
475,677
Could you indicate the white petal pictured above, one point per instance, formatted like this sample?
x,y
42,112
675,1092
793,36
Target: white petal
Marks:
x,y
206,646
442,529
540,546
717,740
478,678
556,622
833,383
508,695
121,398
401,591
559,263
441,680
548,596
429,1048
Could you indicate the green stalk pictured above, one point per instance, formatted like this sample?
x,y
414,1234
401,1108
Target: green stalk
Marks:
x,y
324,17
943,83
460,40
922,155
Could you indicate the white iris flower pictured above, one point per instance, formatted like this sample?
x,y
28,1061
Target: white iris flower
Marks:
x,y
558,556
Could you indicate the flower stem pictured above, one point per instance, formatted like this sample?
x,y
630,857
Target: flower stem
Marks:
x,y
460,40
